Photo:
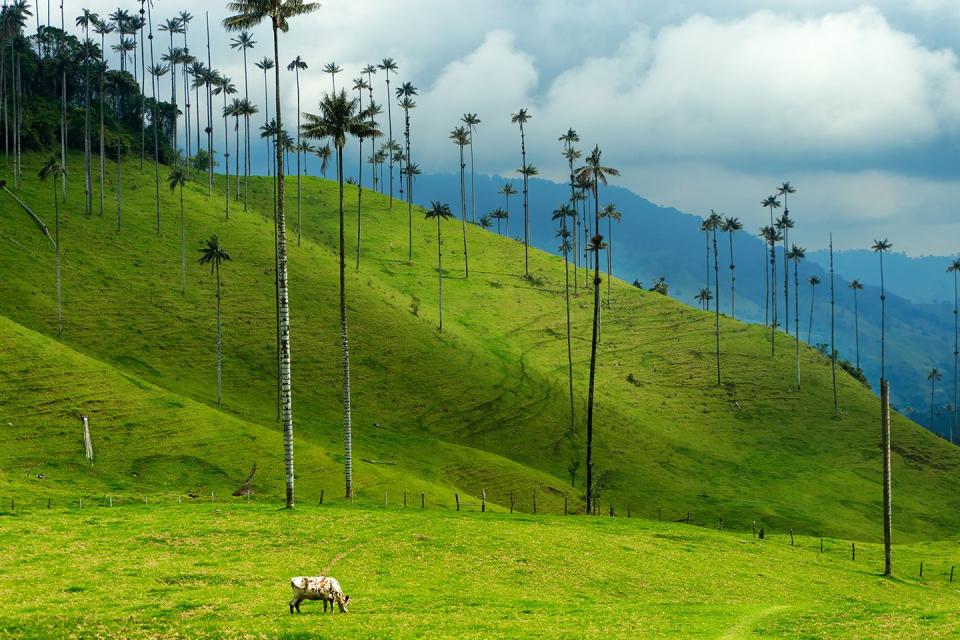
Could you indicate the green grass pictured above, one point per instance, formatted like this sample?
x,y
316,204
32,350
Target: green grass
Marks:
x,y
481,406
222,570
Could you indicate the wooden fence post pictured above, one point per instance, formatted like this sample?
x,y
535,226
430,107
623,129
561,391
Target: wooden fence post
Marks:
x,y
564,504
821,545
483,501
534,502
791,536
404,499
921,568
321,495
853,550
511,502
457,498
110,500
48,503
951,573
385,502
423,500
87,443
658,513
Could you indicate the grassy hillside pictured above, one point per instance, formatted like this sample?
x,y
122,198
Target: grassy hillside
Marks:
x,y
493,382
212,571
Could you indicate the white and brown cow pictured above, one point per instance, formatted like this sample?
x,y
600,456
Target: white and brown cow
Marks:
x,y
322,588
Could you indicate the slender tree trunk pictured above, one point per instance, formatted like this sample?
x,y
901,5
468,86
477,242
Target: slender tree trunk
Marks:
x,y
87,147
246,130
716,284
813,293
786,277
406,119
299,197
473,183
390,124
183,248
956,353
610,256
773,298
345,351
359,198
440,273
593,347
56,208
883,327
933,383
463,218
566,289
226,156
733,282
796,315
766,289
282,282
526,210
102,138
833,348
887,482
219,341
856,324
143,86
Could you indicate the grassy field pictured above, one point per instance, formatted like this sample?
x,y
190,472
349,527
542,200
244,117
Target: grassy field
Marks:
x,y
482,406
222,570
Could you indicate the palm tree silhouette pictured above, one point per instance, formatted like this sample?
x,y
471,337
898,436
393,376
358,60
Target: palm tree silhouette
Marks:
x,y
796,254
297,65
954,268
880,247
371,131
527,171
506,191
52,168
771,203
498,214
103,28
598,173
520,118
471,120
439,211
561,214
177,178
388,66
814,281
611,214
244,41
714,222
461,138
833,333
324,154
704,297
934,376
89,52
333,69
225,87
783,224
405,93
340,117
248,14
265,65
214,254
730,226
706,252
571,155
856,286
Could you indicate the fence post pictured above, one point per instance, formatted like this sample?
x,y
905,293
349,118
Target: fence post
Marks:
x,y
511,502
483,501
213,498
457,498
821,545
611,511
110,500
921,568
658,513
321,495
534,502
423,500
48,503
628,511
853,550
179,499
564,504
951,573
404,499
791,536
385,502
81,503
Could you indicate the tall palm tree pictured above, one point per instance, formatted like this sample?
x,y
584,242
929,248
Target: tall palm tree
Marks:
x,y
471,120
730,226
598,172
506,191
713,223
371,131
934,376
324,154
856,286
954,268
214,254
265,65
88,52
814,281
246,110
461,137
406,93
244,41
561,214
498,214
248,14
102,28
783,224
833,346
177,178
796,254
52,168
520,118
340,117
881,247
296,65
172,26
611,214
704,296
439,211
775,237
388,66
771,203
333,69
225,87
156,72
571,155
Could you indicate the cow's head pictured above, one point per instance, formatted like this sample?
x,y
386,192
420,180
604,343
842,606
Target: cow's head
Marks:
x,y
344,603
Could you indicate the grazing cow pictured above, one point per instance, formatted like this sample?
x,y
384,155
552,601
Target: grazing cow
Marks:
x,y
322,588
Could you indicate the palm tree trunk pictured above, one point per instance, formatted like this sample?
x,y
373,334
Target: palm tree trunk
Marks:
x,y
285,373
786,278
813,293
236,160
406,118
956,353
345,351
56,208
933,382
766,289
183,248
773,299
593,351
102,136
440,273
887,485
87,149
566,289
473,184
610,256
154,87
526,210
833,348
226,156
219,341
390,124
796,314
299,198
733,282
856,323
246,131
883,327
463,218
359,201
716,284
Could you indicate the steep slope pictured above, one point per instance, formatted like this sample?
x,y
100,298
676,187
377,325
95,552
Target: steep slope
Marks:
x,y
666,437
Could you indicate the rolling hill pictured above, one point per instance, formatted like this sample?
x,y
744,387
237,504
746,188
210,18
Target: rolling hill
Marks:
x,y
482,406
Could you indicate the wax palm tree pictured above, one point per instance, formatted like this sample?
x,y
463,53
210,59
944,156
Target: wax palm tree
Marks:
x,y
88,53
324,154
388,66
102,28
172,26
244,41
406,93
934,376
704,297
730,226
265,65
611,214
52,168
706,252
498,214
814,281
783,224
562,213
770,203
471,120
595,169
572,155
881,247
439,211
461,137
333,69
506,191
520,118
213,253
713,223
371,131
225,87
954,268
176,179
856,286
339,118
297,65
247,14
796,254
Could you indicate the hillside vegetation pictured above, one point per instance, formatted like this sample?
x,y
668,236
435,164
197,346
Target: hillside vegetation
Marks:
x,y
483,405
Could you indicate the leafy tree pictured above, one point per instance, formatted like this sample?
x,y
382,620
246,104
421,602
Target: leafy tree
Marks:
x,y
704,297
498,214
713,223
661,286
562,213
856,286
214,254
506,191
783,225
771,203
405,93
248,14
244,41
439,211
225,87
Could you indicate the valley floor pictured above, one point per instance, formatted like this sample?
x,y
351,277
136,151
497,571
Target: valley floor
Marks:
x,y
222,570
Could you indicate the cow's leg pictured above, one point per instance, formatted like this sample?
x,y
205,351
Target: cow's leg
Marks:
x,y
324,605
292,602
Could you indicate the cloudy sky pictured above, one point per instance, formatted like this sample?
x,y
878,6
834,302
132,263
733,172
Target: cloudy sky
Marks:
x,y
701,104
